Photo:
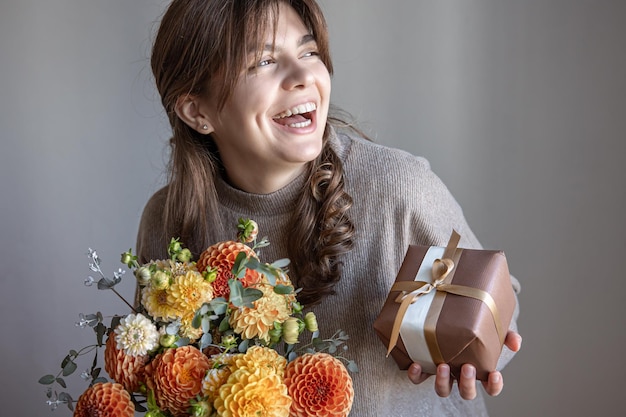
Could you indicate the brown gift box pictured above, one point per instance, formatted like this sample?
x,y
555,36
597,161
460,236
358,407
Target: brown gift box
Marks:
x,y
458,329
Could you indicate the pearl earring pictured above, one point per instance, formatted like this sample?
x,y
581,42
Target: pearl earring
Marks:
x,y
205,127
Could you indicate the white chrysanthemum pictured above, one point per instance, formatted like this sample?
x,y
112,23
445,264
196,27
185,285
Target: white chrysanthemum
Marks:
x,y
136,335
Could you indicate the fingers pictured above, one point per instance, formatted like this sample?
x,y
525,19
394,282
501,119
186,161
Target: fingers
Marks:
x,y
443,382
467,382
416,375
513,341
494,384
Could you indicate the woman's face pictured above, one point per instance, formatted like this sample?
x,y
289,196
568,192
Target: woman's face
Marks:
x,y
273,122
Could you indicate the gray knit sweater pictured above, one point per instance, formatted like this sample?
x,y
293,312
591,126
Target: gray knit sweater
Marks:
x,y
398,201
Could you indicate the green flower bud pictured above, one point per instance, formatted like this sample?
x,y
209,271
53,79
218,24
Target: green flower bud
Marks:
x,y
248,230
229,341
143,275
200,409
160,280
291,330
275,333
184,255
127,258
210,276
310,322
167,340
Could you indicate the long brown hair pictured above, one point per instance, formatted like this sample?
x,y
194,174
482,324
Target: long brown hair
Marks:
x,y
203,43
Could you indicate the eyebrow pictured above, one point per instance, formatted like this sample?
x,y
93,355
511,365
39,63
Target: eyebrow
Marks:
x,y
308,38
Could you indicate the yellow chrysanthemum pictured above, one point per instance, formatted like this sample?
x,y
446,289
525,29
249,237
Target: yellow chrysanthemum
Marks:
x,y
186,327
156,304
267,360
253,394
189,292
258,320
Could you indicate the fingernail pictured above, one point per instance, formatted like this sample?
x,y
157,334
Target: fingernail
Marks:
x,y
413,370
444,370
469,371
496,378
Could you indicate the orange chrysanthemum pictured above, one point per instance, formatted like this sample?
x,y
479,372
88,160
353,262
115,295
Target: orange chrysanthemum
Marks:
x,y
221,257
126,370
176,376
108,399
253,394
319,385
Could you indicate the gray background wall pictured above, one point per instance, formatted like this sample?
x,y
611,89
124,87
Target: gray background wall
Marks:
x,y
519,106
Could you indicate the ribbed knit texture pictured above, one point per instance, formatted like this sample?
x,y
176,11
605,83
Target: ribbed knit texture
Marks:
x,y
398,201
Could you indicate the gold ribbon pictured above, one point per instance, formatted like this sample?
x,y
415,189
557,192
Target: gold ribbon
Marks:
x,y
410,291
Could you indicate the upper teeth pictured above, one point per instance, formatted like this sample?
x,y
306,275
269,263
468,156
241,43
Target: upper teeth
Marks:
x,y
302,108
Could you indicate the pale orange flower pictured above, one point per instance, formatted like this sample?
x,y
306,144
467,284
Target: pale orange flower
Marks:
x,y
253,394
176,377
124,369
258,320
108,399
319,385
221,257
267,360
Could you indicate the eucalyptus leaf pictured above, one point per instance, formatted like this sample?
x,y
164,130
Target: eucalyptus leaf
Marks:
x,y
101,330
353,367
115,321
206,324
224,325
47,379
206,340
105,284
61,382
219,305
281,263
283,289
183,341
197,320
67,398
243,346
69,368
332,349
66,360
250,295
239,267
100,380
95,372
236,292
253,263
292,356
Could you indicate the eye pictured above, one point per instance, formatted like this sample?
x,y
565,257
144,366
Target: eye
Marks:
x,y
264,62
310,54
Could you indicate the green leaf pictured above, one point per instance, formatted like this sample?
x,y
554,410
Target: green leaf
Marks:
x,y
206,324
64,396
100,380
206,340
283,289
243,346
61,382
47,379
224,325
352,366
100,330
197,320
236,292
95,372
239,267
105,284
281,263
69,368
219,305
67,359
253,263
115,321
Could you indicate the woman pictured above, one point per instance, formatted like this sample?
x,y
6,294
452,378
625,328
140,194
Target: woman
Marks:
x,y
246,86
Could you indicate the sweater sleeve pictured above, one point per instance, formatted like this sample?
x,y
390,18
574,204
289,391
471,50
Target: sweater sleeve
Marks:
x,y
424,209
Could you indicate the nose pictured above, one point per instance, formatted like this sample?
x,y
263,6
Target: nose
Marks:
x,y
297,75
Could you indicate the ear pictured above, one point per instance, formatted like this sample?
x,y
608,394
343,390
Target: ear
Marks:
x,y
191,111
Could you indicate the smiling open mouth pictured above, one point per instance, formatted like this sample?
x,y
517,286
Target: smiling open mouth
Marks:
x,y
297,117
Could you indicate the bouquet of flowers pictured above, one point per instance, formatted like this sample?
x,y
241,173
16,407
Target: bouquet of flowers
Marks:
x,y
214,337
